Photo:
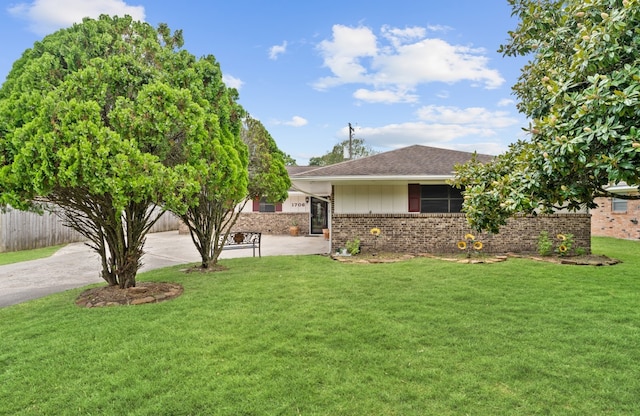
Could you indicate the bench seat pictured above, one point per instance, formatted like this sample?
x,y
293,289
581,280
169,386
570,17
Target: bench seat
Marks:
x,y
243,239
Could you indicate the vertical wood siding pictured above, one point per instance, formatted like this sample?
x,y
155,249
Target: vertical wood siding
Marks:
x,y
20,230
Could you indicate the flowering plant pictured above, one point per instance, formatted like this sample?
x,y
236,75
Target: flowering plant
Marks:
x,y
375,232
563,247
565,243
470,243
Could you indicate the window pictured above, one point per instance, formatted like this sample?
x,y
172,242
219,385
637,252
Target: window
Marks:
x,y
262,205
618,205
434,198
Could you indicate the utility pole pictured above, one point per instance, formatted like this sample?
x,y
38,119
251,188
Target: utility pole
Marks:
x,y
350,142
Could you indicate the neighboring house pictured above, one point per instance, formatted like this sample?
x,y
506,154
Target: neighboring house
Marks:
x,y
405,193
617,217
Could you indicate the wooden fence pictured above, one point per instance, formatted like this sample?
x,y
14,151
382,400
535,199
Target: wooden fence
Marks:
x,y
20,230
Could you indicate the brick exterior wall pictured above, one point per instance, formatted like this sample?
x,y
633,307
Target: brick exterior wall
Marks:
x,y
273,222
268,222
439,233
606,223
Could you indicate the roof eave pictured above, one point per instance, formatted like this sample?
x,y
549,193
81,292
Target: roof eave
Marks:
x,y
376,178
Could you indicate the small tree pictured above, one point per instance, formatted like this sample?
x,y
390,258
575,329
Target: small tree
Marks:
x,y
211,219
288,160
358,149
110,119
581,90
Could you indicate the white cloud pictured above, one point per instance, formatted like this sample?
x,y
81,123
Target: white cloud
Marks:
x,y
384,96
276,50
439,28
467,129
401,59
472,116
448,136
296,121
232,82
398,37
434,60
506,102
344,53
46,16
431,134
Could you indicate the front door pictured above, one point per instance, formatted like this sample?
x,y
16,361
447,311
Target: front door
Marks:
x,y
319,215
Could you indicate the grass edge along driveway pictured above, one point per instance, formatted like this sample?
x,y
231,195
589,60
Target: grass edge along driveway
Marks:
x,y
307,335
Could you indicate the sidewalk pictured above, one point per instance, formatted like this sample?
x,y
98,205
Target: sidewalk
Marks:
x,y
76,265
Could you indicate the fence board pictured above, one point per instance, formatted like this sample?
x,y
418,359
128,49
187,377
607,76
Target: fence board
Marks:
x,y
20,230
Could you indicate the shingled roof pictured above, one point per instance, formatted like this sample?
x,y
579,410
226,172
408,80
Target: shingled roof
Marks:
x,y
296,170
412,161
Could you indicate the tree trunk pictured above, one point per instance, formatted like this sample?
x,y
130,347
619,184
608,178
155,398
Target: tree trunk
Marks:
x,y
209,224
117,236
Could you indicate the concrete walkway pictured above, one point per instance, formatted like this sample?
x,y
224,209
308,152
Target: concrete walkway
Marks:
x,y
76,265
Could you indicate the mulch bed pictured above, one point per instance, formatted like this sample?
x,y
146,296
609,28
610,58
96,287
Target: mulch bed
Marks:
x,y
584,260
143,292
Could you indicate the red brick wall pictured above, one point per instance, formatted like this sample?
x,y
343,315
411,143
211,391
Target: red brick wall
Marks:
x,y
606,223
439,233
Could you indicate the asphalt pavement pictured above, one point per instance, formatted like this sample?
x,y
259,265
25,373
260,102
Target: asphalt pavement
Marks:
x,y
76,265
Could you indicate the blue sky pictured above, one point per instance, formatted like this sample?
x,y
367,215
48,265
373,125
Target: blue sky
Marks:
x,y
402,72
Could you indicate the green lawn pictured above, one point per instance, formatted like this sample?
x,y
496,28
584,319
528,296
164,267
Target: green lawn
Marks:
x,y
310,336
26,255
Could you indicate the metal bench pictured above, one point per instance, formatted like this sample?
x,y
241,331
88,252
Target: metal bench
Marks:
x,y
243,239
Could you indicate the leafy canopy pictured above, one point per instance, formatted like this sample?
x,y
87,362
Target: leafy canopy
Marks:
x,y
211,219
108,119
581,89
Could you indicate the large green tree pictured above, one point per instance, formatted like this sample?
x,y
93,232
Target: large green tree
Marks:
x,y
109,120
212,218
357,148
581,91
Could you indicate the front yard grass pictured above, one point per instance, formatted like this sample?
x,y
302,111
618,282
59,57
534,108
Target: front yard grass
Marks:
x,y
311,336
26,255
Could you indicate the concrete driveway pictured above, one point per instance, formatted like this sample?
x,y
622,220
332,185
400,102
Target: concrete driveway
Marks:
x,y
76,265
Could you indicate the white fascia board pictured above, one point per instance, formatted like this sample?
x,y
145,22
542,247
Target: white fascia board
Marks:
x,y
370,178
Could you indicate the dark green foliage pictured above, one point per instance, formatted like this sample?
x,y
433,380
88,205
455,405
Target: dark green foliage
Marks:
x,y
109,119
581,91
211,219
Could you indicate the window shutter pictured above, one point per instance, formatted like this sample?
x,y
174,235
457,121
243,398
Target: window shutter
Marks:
x,y
414,197
279,207
256,205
